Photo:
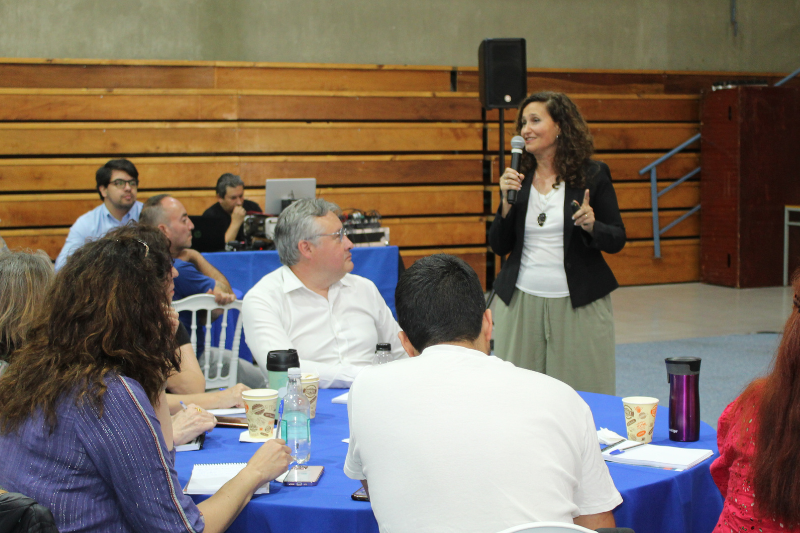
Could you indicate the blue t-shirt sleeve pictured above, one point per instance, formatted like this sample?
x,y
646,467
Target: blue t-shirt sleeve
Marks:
x,y
83,228
127,447
190,281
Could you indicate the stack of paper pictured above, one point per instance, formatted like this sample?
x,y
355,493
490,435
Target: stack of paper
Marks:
x,y
636,453
209,478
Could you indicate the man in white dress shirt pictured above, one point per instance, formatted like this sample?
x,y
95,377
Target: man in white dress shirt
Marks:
x,y
453,439
313,304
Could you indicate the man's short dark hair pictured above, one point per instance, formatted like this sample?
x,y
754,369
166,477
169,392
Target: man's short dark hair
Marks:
x,y
103,174
152,212
439,299
228,180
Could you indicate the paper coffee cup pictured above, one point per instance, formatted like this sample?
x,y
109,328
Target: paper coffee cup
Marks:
x,y
640,417
260,406
310,384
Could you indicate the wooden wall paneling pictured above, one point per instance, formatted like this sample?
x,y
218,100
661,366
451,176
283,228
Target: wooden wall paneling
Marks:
x,y
403,201
98,75
49,240
635,264
636,196
620,81
120,104
206,104
627,108
235,137
333,78
77,174
719,189
639,224
474,256
36,210
359,137
436,231
626,166
623,136
353,106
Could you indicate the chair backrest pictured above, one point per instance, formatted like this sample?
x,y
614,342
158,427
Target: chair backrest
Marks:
x,y
213,355
547,527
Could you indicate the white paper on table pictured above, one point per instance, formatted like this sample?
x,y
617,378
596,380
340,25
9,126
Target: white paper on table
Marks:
x,y
244,436
342,398
209,478
227,412
608,437
346,441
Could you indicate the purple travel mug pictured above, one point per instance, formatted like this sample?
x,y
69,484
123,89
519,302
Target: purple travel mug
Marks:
x,y
684,398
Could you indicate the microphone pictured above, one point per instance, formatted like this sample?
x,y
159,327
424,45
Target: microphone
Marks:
x,y
517,145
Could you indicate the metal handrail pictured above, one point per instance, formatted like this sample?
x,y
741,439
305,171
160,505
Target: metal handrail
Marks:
x,y
655,194
787,78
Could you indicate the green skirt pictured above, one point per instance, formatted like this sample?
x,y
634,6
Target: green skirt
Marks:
x,y
547,335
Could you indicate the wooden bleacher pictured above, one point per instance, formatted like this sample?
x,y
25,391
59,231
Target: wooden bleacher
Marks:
x,y
407,141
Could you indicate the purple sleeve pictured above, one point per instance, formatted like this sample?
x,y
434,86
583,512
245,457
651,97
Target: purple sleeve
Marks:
x,y
127,448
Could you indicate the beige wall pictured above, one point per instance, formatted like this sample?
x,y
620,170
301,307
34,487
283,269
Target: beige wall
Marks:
x,y
606,34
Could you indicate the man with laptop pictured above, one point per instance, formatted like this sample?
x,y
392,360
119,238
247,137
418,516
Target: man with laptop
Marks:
x,y
454,439
231,207
313,304
117,185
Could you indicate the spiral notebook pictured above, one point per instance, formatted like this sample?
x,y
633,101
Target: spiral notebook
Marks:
x,y
209,478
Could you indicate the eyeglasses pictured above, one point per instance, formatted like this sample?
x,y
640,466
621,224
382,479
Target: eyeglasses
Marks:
x,y
341,234
120,184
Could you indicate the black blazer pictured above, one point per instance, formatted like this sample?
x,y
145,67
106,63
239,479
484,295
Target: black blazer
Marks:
x,y
588,275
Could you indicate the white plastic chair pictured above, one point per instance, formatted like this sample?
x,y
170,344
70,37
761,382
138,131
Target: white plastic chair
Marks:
x,y
547,527
218,354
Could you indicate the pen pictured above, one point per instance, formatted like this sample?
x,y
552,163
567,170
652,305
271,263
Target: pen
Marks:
x,y
183,405
280,417
618,452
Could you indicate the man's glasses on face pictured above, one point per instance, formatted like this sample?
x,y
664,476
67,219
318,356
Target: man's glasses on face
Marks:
x,y
341,234
120,184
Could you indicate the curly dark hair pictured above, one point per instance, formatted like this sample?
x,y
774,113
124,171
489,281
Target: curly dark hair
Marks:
x,y
574,145
106,313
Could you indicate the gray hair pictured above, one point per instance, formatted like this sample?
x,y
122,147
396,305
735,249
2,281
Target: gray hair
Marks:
x,y
25,277
228,180
153,212
298,223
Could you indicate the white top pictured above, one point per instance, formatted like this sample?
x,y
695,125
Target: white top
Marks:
x,y
335,337
456,440
541,271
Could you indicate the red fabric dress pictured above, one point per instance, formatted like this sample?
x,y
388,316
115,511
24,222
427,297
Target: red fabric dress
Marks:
x,y
731,473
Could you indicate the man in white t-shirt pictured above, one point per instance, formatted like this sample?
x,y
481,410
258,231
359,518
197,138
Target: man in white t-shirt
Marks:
x,y
453,439
313,304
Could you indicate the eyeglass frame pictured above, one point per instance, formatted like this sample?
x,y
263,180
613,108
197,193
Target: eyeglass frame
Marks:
x,y
341,234
134,183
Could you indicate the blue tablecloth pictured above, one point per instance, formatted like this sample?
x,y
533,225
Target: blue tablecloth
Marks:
x,y
656,500
245,269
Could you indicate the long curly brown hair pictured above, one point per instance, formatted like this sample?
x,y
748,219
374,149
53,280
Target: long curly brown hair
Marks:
x,y
106,313
574,145
773,401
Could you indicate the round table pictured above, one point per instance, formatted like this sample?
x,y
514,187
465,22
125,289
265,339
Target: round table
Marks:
x,y
655,500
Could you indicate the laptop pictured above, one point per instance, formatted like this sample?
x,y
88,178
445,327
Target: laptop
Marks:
x,y
208,234
287,189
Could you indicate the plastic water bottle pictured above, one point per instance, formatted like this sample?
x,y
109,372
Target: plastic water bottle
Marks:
x,y
383,354
296,422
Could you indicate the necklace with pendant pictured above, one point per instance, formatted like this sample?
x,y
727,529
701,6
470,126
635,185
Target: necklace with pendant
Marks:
x,y
542,218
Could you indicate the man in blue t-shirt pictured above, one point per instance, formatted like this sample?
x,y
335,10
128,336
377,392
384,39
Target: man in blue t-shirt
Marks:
x,y
195,274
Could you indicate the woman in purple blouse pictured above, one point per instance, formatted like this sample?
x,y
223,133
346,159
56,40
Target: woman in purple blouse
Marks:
x,y
78,428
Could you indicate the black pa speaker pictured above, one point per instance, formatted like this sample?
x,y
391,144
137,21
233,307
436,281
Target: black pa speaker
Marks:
x,y
502,72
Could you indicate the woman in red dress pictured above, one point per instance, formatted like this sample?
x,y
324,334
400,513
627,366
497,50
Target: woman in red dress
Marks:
x,y
758,470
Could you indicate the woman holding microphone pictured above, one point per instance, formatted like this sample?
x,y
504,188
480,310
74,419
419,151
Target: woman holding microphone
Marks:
x,y
555,313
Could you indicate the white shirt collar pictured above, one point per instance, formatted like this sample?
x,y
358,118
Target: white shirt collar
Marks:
x,y
291,282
